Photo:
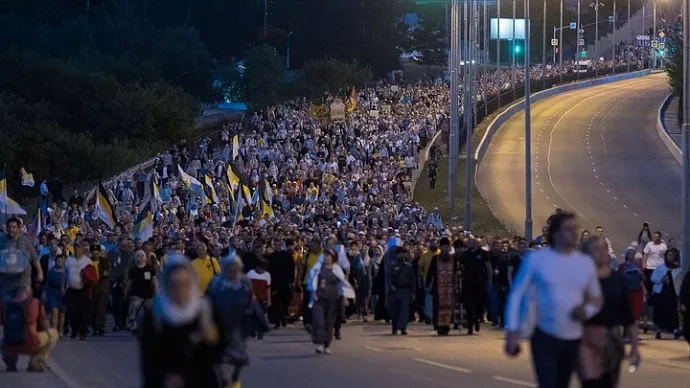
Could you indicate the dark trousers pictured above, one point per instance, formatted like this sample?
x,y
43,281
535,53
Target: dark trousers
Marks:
x,y
117,304
78,309
502,297
279,305
99,306
554,359
339,315
474,302
400,308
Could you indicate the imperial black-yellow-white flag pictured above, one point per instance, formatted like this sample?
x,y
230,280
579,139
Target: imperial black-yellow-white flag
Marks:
x,y
104,209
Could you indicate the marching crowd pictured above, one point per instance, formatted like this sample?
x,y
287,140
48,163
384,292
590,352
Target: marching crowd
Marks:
x,y
289,217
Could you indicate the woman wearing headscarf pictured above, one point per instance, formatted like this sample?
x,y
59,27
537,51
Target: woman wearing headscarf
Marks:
x,y
631,268
383,278
601,348
179,337
666,280
328,283
230,294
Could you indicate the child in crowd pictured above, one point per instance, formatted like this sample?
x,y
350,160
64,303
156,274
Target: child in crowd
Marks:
x,y
55,294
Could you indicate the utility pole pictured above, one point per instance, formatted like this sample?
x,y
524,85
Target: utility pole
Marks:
x,y
685,256
560,47
468,108
512,73
577,53
485,58
613,49
498,48
595,57
654,36
454,101
528,132
627,47
543,45
287,53
265,17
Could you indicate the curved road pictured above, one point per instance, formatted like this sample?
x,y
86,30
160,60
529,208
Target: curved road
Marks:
x,y
596,152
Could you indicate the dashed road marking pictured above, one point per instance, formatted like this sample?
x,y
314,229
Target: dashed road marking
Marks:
x,y
444,366
373,349
513,381
636,215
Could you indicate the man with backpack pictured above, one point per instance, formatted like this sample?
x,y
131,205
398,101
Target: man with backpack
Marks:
x,y
17,257
25,330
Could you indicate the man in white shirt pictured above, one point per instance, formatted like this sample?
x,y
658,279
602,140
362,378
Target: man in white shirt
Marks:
x,y
653,256
77,294
563,285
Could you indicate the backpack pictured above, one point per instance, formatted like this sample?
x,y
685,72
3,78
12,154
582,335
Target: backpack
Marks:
x,y
13,261
633,279
14,322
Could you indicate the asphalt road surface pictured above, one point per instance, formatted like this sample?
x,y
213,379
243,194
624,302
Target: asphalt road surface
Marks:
x,y
367,357
595,152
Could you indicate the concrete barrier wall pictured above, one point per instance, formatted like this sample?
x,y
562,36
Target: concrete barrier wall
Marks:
x,y
662,131
518,106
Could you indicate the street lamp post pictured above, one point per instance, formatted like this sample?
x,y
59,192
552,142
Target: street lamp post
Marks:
x,y
454,101
613,46
485,58
469,108
287,51
528,133
498,50
560,47
654,36
627,47
595,57
685,256
543,43
577,53
512,77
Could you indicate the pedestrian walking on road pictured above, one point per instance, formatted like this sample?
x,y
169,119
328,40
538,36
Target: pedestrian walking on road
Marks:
x,y
684,306
602,350
403,286
55,291
179,337
78,295
329,285
666,280
100,291
563,286
442,283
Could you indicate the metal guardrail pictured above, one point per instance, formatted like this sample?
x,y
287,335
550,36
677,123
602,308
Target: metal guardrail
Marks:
x,y
662,131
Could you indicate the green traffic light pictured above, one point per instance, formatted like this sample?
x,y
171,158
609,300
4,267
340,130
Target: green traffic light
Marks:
x,y
518,49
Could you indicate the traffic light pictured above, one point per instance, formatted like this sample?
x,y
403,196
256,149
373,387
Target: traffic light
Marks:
x,y
517,49
583,54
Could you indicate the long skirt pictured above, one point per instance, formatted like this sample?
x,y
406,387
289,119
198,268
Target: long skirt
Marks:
x,y
324,315
666,311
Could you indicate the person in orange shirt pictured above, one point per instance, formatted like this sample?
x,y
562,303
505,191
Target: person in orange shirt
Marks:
x,y
36,344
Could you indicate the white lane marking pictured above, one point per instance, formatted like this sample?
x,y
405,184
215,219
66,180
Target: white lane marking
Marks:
x,y
625,206
444,366
373,349
547,198
615,198
555,206
513,381
542,190
61,375
636,215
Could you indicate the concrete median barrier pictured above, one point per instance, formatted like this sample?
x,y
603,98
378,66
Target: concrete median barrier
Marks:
x,y
662,131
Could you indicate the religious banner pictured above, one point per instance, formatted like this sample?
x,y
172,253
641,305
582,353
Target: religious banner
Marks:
x,y
338,110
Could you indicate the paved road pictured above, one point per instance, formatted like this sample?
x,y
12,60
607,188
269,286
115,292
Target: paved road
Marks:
x,y
366,357
596,152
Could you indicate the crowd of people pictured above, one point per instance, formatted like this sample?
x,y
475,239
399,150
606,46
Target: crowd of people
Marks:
x,y
288,217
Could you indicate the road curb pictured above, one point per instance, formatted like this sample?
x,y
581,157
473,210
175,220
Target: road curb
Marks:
x,y
662,131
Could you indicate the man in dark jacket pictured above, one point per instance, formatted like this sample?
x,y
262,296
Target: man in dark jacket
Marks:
x,y
281,266
476,277
120,259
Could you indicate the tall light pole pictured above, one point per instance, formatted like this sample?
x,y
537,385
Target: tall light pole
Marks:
x,y
613,46
287,51
596,36
560,47
577,53
469,109
528,133
453,58
543,48
485,57
627,46
654,35
498,50
512,77
686,138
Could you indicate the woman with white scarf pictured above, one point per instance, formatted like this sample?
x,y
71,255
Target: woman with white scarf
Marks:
x,y
179,337
328,284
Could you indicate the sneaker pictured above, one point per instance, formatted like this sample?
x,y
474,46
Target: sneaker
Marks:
x,y
658,335
11,368
319,349
327,351
403,332
365,320
337,335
